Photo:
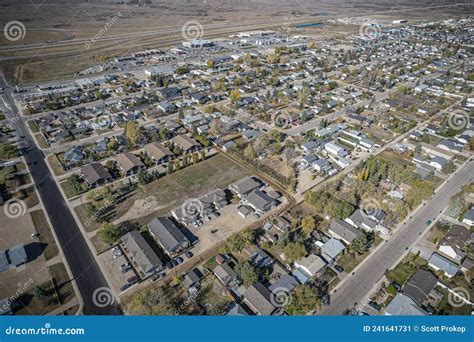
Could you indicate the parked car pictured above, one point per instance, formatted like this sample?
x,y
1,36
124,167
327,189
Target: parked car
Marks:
x,y
375,306
179,260
126,269
124,287
188,254
124,265
132,279
339,268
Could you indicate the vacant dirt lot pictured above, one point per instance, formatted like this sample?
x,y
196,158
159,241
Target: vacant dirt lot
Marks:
x,y
171,190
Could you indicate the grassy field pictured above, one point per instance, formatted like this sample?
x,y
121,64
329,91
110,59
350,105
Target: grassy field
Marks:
x,y
46,236
406,269
55,165
350,261
57,291
33,126
171,190
70,190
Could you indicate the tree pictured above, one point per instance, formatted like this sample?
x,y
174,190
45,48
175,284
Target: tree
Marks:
x,y
234,96
308,224
132,132
304,299
247,273
164,133
238,241
294,251
360,245
108,233
113,145
210,63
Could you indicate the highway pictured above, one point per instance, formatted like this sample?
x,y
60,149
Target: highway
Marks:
x,y
82,264
356,287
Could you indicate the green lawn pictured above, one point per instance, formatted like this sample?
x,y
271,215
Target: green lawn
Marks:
x,y
71,190
406,269
33,126
46,236
350,261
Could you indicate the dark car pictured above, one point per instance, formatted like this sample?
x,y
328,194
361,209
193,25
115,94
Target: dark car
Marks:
x,y
339,268
124,287
132,279
375,306
188,254
179,260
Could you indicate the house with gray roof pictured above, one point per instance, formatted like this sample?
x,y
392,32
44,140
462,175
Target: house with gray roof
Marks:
x,y
440,263
96,174
141,253
469,217
226,275
17,255
258,299
420,285
331,249
402,305
259,201
244,186
236,310
158,152
168,235
286,282
129,163
310,265
342,230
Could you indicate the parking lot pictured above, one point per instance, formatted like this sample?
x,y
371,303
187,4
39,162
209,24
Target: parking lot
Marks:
x,y
112,266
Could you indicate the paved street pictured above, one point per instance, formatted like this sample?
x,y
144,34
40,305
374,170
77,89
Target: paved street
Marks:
x,y
356,287
82,263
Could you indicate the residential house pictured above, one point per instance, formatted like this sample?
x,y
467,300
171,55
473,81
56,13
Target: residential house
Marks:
x,y
186,143
342,230
158,152
259,201
141,253
96,174
258,299
419,286
440,263
310,265
129,163
226,275
74,155
402,305
331,249
244,186
469,217
454,243
168,236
